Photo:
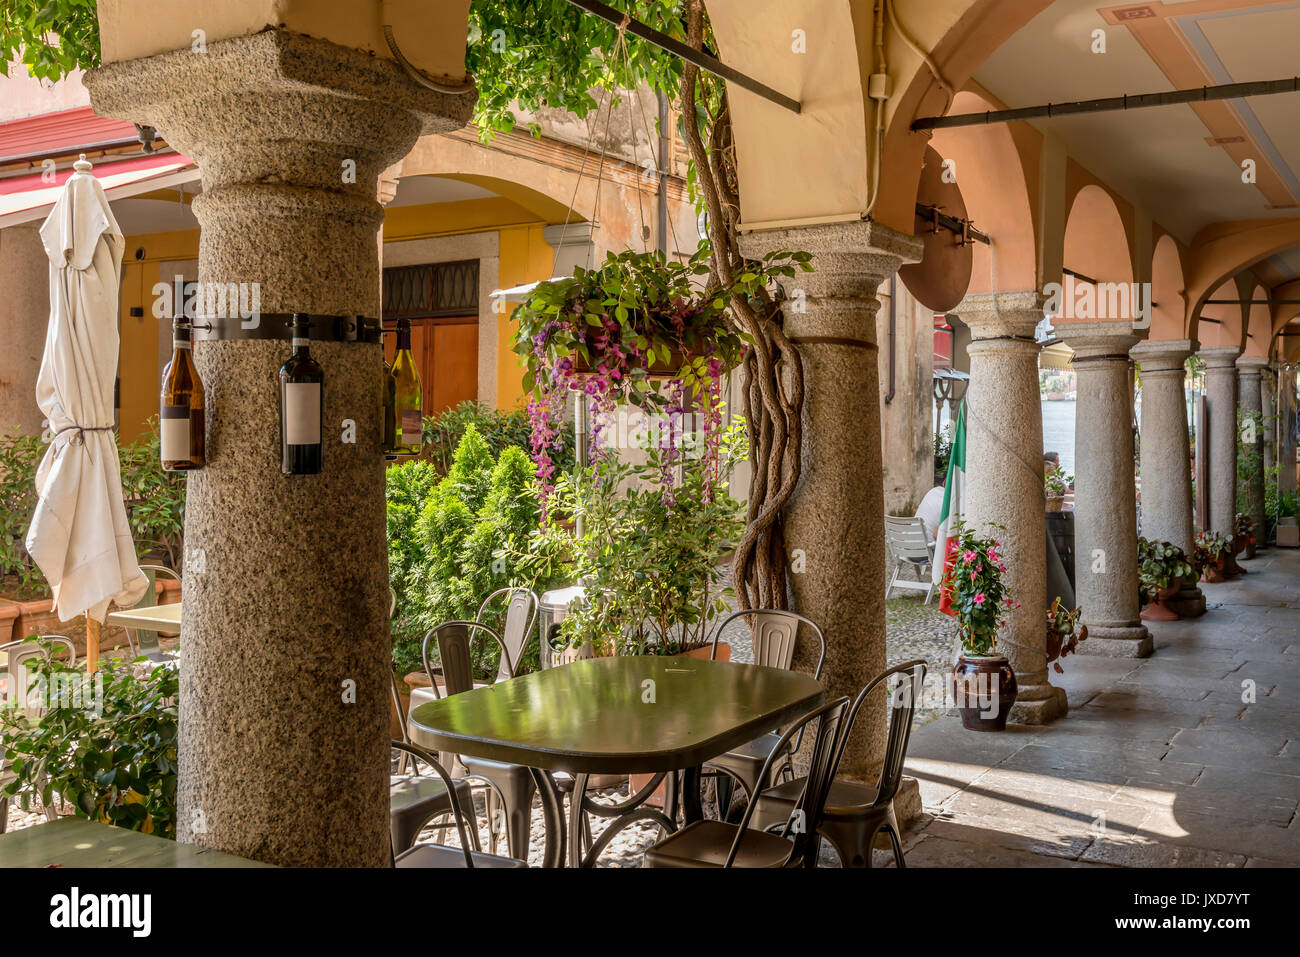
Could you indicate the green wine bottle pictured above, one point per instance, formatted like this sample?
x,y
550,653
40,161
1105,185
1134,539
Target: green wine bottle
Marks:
x,y
407,421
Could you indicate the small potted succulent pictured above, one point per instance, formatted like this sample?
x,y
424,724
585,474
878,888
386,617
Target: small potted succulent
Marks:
x,y
1064,632
1162,569
1055,484
983,683
1212,554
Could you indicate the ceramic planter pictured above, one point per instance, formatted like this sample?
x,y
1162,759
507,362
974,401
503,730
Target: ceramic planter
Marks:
x,y
1159,609
984,688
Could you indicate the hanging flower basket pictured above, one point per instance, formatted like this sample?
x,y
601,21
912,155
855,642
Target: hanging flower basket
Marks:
x,y
619,332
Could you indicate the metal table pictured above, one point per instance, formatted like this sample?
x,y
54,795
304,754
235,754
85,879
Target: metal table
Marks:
x,y
150,618
616,715
74,842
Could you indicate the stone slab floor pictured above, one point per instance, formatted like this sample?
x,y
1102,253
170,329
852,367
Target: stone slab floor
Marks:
x,y
1188,758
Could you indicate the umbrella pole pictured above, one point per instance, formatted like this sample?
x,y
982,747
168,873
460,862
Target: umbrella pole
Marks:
x,y
92,645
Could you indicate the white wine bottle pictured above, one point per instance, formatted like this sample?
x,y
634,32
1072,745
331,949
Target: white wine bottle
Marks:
x,y
408,423
180,409
301,404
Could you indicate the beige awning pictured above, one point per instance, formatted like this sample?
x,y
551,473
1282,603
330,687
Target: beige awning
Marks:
x,y
1055,356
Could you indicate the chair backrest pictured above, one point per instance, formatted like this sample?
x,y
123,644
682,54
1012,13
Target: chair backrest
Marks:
x,y
147,641
414,754
520,614
17,686
902,706
775,635
397,706
455,641
823,763
907,538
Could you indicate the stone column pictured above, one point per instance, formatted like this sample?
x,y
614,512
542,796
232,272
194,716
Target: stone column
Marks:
x,y
1105,498
1004,479
1221,400
1166,455
1286,475
284,702
1251,485
1268,403
836,519
24,316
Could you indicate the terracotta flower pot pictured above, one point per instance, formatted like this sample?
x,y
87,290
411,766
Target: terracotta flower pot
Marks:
x,y
1214,574
1055,503
984,689
8,617
1159,609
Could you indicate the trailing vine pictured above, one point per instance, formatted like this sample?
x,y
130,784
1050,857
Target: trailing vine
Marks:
x,y
774,384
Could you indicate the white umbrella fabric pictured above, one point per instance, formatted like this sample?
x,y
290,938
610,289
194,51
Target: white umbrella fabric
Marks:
x,y
79,535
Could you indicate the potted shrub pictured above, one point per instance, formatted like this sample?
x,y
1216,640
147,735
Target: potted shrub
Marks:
x,y
610,332
983,684
1055,484
1212,554
1064,632
1162,569
1244,540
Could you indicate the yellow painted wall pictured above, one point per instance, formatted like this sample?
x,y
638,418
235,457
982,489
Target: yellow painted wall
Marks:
x,y
138,365
525,257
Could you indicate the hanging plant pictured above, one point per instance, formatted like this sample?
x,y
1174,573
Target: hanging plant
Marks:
x,y
617,332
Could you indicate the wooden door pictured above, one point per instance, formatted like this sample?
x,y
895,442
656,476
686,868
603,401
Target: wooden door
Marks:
x,y
446,353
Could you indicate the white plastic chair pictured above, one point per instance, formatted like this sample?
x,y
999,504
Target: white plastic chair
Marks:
x,y
910,543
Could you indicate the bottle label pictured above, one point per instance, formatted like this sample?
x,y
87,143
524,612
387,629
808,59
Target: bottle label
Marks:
x,y
302,413
180,344
412,428
174,433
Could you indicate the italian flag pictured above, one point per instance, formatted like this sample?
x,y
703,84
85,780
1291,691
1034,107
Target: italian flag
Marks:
x,y
954,492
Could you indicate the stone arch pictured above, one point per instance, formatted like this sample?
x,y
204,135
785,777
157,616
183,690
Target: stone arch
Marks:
x,y
1281,315
1169,309
1096,248
1216,324
1223,250
989,165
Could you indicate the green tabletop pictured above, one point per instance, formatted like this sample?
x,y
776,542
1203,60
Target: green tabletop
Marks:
x,y
74,842
617,715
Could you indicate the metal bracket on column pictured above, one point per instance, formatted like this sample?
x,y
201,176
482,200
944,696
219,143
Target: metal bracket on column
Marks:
x,y
275,325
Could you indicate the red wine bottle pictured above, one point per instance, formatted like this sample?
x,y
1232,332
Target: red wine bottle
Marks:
x,y
302,402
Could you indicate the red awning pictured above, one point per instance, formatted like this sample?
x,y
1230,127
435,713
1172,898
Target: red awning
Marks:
x,y
72,130
25,194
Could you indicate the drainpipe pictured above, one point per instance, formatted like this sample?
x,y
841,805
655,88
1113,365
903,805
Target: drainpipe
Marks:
x,y
663,174
893,321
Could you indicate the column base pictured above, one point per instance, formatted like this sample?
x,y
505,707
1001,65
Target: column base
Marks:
x,y
1047,703
1117,641
1189,602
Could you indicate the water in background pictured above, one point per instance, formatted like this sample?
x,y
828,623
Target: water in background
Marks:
x,y
1058,431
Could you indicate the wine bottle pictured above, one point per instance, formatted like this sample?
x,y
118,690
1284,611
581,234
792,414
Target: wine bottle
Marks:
x,y
301,405
180,408
408,425
390,435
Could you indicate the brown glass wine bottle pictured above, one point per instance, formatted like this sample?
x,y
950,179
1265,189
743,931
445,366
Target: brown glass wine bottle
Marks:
x,y
302,402
180,407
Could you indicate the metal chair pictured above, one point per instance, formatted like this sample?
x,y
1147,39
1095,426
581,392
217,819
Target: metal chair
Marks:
x,y
144,642
16,693
910,544
516,628
511,784
414,799
775,635
855,813
440,855
722,844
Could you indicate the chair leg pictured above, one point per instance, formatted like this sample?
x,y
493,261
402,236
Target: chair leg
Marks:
x,y
493,808
4,813
898,848
889,589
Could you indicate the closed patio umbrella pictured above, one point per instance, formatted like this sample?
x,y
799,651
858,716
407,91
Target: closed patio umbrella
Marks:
x,y
79,535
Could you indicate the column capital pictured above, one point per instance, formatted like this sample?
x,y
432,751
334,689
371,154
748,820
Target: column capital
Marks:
x,y
1100,340
1220,357
1163,355
1251,365
1002,315
849,259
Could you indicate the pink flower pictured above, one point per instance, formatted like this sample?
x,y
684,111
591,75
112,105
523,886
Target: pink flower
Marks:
x,y
993,556
969,556
979,598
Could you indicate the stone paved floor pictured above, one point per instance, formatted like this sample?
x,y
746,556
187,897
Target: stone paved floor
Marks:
x,y
1167,761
